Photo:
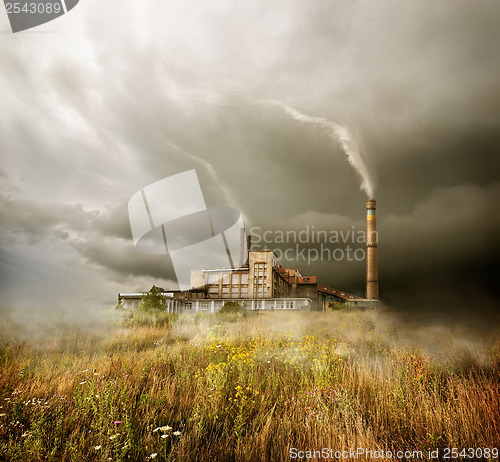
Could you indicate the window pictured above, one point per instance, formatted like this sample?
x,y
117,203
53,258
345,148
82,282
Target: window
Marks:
x,y
259,279
213,278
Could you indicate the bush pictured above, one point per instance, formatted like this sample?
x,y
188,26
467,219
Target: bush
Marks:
x,y
148,318
231,311
336,306
231,307
153,301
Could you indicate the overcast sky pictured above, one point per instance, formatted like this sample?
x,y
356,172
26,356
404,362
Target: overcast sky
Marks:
x,y
116,95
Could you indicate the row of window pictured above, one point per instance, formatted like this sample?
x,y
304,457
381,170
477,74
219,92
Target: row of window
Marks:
x,y
225,289
227,278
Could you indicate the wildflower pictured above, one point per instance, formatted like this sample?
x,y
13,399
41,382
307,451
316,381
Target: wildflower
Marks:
x,y
177,433
152,456
2,415
114,436
81,383
97,448
118,422
163,429
165,435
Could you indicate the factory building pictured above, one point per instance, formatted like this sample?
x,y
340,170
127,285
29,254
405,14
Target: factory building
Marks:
x,y
261,283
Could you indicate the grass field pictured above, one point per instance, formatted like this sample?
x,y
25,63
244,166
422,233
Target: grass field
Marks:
x,y
211,388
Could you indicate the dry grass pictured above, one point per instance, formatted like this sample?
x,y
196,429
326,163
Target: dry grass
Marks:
x,y
201,388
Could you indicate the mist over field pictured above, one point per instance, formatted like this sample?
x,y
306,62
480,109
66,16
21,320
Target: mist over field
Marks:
x,y
248,387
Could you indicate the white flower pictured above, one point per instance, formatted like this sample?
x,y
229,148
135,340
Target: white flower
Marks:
x,y
114,436
97,448
152,456
177,433
163,429
164,436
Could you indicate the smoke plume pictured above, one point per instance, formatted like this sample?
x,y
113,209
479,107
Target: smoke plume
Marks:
x,y
342,133
345,136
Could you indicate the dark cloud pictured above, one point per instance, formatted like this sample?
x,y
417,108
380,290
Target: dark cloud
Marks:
x,y
121,95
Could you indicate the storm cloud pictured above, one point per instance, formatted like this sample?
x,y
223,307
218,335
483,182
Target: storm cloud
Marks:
x,y
114,96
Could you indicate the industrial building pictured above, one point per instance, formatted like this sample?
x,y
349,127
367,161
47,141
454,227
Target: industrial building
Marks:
x,y
261,283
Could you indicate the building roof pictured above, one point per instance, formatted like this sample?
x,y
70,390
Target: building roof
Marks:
x,y
306,280
338,293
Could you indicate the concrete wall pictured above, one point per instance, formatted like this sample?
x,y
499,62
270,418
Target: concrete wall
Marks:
x,y
265,304
174,305
260,277
198,279
309,291
227,284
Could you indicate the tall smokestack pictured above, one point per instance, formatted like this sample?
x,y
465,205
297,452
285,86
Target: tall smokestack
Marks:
x,y
371,250
249,247
242,247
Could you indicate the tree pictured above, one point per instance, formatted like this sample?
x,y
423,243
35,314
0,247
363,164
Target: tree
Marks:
x,y
231,308
153,301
